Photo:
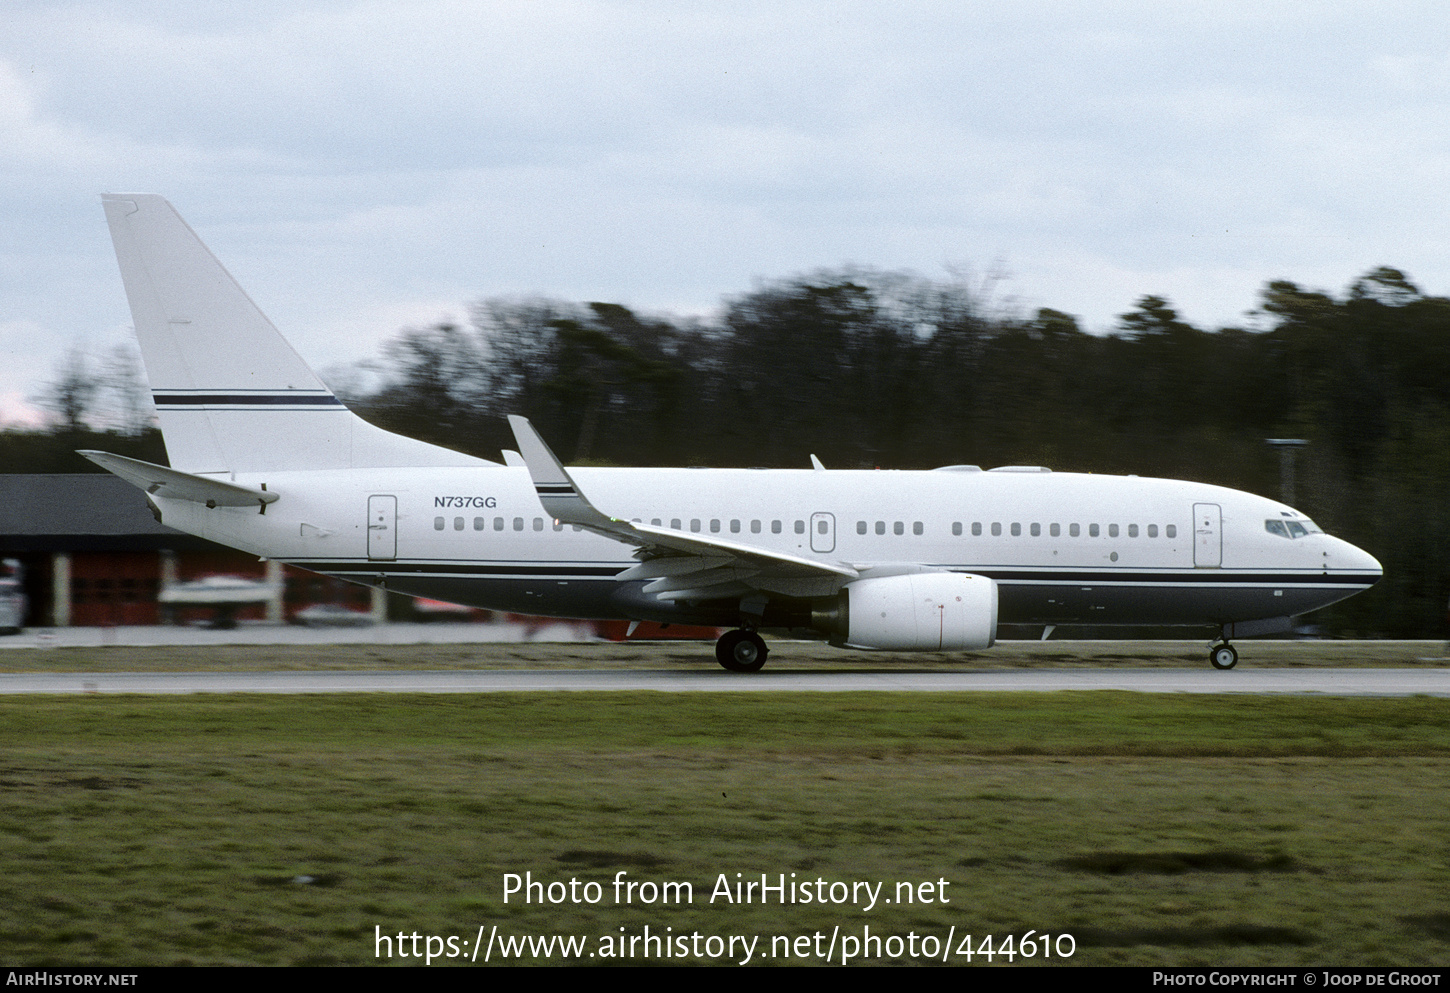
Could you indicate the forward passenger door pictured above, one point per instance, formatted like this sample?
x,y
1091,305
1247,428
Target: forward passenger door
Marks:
x,y
1207,536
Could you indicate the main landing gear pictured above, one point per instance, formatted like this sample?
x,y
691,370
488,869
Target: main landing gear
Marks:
x,y
741,651
1223,656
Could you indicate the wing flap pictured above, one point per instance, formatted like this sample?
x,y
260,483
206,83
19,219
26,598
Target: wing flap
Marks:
x,y
704,578
671,565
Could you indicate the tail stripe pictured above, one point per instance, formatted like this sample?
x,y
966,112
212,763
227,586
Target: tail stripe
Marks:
x,y
187,401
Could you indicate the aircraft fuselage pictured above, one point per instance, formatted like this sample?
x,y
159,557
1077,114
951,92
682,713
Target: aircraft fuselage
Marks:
x,y
1063,548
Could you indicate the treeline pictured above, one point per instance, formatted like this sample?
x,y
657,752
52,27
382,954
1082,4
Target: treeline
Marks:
x,y
869,369
54,451
872,369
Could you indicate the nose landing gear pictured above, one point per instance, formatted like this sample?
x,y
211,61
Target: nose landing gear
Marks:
x,y
741,651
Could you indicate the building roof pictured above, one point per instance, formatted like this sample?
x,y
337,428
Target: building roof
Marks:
x,y
81,512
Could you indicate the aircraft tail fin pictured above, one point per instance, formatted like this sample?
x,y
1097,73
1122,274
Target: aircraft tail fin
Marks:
x,y
231,393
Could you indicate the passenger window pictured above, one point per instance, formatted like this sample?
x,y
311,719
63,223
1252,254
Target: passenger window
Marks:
x,y
880,527
458,524
957,528
1152,530
860,527
1016,530
1074,530
437,524
917,527
976,529
1112,530
498,523
675,523
1171,531
694,524
1055,530
1092,530
734,526
538,524
775,527
714,525
898,528
654,522
1036,530
822,527
996,529
518,523
800,527
1132,530
754,527
558,526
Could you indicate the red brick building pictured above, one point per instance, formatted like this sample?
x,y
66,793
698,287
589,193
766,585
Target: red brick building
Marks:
x,y
93,554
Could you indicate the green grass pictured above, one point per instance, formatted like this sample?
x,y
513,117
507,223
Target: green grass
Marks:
x,y
1156,829
700,655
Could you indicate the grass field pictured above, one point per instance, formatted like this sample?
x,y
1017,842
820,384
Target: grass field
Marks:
x,y
1154,829
700,654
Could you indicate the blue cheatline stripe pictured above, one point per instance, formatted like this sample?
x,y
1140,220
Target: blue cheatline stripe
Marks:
x,y
540,569
246,400
1197,577
512,571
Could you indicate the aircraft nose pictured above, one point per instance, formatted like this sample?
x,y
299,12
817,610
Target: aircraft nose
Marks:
x,y
1345,557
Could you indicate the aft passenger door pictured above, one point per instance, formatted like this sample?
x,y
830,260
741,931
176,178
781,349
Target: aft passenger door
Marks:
x,y
1207,536
383,528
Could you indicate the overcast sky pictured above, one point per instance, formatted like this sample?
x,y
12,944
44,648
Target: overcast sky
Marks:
x,y
361,167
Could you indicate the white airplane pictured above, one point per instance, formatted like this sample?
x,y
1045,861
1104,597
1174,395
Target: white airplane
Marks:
x,y
264,458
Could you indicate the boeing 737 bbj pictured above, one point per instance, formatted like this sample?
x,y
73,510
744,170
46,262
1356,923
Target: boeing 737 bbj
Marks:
x,y
264,458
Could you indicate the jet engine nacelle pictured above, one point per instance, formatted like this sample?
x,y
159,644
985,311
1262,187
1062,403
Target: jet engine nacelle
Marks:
x,y
924,612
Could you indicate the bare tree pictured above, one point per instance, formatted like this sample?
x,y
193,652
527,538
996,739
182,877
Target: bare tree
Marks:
x,y
123,385
71,395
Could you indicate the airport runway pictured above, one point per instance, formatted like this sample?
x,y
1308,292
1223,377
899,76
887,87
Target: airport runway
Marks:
x,y
1336,682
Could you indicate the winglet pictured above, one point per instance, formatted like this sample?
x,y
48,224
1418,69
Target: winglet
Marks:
x,y
816,463
710,558
555,487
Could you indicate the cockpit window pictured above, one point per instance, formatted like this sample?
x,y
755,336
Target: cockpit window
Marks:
x,y
1292,529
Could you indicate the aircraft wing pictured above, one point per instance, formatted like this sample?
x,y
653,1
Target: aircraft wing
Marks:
x,y
678,566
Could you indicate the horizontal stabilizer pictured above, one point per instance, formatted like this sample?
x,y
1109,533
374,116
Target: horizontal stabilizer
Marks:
x,y
158,480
